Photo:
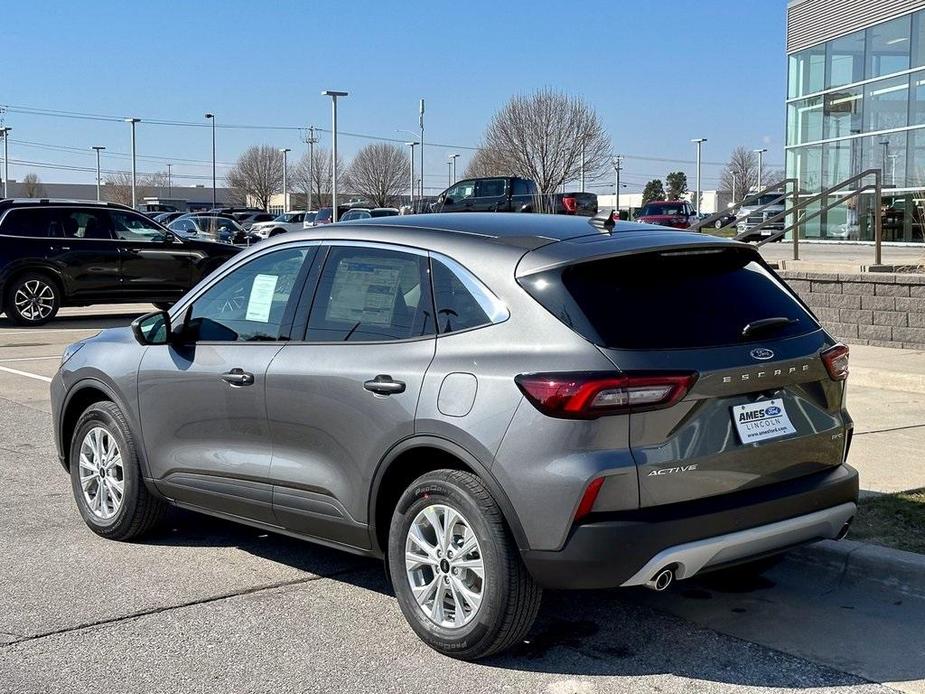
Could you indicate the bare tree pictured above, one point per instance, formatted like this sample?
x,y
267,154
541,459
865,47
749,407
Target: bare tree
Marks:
x,y
379,172
118,186
257,174
320,174
542,137
485,162
740,174
32,187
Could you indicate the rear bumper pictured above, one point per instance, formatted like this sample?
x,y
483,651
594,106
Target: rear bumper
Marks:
x,y
628,548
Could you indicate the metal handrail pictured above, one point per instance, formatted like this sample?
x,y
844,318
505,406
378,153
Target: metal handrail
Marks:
x,y
801,205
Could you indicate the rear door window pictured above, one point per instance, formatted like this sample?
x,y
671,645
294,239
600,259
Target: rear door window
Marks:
x,y
29,222
371,294
490,187
671,299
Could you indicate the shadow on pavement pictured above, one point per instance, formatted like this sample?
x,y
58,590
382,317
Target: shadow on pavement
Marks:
x,y
581,633
77,322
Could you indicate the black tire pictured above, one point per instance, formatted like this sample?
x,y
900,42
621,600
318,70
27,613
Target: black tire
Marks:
x,y
276,232
139,510
40,286
163,305
510,598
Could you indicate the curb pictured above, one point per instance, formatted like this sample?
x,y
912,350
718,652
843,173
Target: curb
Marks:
x,y
900,571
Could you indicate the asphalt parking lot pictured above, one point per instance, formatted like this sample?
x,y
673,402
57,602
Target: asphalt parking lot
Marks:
x,y
204,605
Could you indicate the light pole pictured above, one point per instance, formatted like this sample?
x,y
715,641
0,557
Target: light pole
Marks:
x,y
169,182
132,122
333,94
99,181
310,141
453,158
699,141
449,173
421,122
285,151
617,168
411,146
211,117
5,131
760,153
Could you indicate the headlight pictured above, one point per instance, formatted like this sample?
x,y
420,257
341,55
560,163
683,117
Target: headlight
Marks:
x,y
70,351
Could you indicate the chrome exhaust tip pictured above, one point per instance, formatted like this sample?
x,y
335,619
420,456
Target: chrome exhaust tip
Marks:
x,y
843,533
661,580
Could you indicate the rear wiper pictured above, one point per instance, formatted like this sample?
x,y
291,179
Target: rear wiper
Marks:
x,y
765,323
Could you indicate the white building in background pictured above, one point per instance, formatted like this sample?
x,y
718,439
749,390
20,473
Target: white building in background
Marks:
x,y
713,201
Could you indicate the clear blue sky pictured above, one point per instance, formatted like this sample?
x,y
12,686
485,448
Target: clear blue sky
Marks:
x,y
658,74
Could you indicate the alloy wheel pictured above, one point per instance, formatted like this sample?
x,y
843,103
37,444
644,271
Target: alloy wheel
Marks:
x,y
34,300
444,566
102,476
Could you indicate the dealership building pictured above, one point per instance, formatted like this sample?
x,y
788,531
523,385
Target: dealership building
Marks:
x,y
856,101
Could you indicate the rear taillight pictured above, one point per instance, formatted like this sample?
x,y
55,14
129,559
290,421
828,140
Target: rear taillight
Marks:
x,y
570,204
836,362
591,395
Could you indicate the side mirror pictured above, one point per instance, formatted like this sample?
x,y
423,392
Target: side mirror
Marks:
x,y
152,329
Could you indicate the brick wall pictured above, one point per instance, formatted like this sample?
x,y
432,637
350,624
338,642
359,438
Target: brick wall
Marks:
x,y
881,309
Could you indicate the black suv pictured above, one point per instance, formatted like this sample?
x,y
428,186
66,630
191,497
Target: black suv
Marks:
x,y
57,253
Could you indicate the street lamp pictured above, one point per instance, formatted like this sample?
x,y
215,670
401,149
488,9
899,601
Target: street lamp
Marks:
x,y
449,173
453,158
169,182
760,152
699,141
132,122
310,140
285,151
211,117
421,123
333,94
5,131
98,148
617,163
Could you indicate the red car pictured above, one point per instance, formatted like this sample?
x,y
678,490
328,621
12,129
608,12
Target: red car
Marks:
x,y
679,214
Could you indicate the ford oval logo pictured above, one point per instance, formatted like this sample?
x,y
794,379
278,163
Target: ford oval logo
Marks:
x,y
762,353
772,411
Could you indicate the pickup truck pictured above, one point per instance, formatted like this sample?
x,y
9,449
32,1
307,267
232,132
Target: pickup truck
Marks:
x,y
510,194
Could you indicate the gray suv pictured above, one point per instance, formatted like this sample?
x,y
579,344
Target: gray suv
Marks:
x,y
492,403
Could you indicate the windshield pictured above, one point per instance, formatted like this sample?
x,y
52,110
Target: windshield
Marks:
x,y
324,215
662,208
384,212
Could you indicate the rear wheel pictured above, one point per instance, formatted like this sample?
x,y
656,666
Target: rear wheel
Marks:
x,y
32,299
456,570
163,305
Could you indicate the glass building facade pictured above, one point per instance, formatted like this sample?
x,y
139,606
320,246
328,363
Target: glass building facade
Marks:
x,y
857,102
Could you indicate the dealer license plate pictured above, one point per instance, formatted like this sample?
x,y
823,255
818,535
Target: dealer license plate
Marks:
x,y
760,421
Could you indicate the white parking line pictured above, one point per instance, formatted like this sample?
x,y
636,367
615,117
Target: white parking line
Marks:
x,y
4,333
25,373
53,356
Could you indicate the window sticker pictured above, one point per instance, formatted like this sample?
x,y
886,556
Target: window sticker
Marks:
x,y
261,298
364,292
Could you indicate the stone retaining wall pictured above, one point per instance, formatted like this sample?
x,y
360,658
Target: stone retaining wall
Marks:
x,y
883,309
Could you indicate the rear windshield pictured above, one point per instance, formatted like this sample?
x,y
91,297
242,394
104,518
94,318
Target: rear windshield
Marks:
x,y
671,300
649,210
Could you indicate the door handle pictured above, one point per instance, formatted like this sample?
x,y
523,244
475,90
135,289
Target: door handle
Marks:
x,y
384,385
238,377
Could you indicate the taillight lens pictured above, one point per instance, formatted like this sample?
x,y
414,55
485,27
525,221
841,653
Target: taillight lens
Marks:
x,y
836,362
570,204
591,395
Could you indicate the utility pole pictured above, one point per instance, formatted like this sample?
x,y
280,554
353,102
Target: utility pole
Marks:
x,y
211,117
310,140
99,180
617,168
5,131
421,122
132,122
760,152
699,141
285,151
334,94
169,182
453,158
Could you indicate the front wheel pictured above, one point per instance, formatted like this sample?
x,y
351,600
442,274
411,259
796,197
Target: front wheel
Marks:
x,y
33,299
456,570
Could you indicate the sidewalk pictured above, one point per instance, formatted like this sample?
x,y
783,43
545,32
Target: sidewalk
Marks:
x,y
886,398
